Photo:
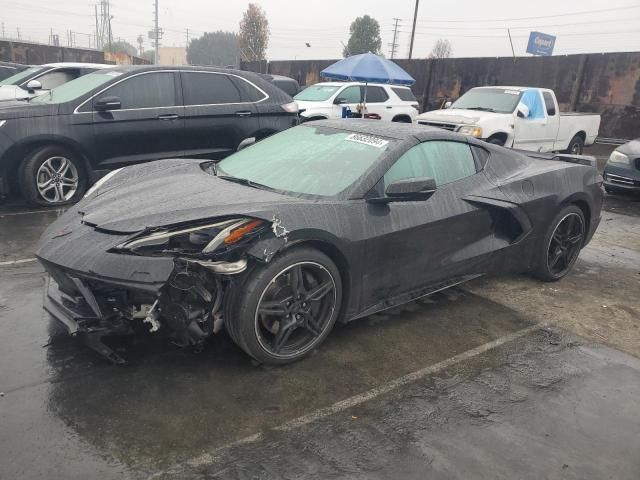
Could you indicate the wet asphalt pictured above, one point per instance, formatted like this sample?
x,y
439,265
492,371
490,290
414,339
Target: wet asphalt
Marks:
x,y
498,393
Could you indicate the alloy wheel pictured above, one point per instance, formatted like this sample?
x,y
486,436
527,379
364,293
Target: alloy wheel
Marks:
x,y
565,244
295,309
57,179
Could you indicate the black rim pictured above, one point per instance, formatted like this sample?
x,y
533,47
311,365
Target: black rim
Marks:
x,y
565,244
295,309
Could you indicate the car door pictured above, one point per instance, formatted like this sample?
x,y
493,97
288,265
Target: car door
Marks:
x,y
217,114
149,125
534,132
378,102
427,242
553,122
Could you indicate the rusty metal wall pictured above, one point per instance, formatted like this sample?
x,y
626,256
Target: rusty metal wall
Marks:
x,y
606,83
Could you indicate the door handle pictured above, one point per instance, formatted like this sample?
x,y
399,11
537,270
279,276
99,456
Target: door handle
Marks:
x,y
168,116
389,107
243,113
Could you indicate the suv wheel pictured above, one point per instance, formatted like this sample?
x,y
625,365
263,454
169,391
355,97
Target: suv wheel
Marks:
x,y
52,176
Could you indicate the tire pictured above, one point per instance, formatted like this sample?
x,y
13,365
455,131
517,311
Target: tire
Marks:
x,y
269,288
496,141
576,146
559,250
63,171
402,119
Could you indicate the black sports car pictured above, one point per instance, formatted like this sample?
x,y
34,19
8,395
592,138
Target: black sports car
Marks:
x,y
328,221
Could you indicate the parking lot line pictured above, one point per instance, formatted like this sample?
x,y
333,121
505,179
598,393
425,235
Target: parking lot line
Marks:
x,y
210,458
16,262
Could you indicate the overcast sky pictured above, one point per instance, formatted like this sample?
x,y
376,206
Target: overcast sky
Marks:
x,y
474,28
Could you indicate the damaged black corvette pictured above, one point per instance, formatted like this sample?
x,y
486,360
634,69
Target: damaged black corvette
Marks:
x,y
328,221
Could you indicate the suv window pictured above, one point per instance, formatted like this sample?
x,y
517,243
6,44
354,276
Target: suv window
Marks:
x,y
405,94
201,88
149,90
376,95
549,103
57,77
248,92
351,94
444,161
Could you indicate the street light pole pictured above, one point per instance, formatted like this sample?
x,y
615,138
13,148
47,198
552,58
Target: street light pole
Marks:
x,y
413,30
157,35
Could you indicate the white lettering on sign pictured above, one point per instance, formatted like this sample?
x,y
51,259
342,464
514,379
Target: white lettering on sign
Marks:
x,y
543,42
367,140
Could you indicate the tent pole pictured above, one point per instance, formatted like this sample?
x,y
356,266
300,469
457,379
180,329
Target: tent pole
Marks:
x,y
364,102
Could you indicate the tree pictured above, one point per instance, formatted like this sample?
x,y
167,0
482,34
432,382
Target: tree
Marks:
x,y
149,55
121,46
214,48
364,37
441,49
254,33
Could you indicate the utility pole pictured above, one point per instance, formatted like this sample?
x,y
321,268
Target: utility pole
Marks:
x,y
413,30
156,32
394,43
187,34
109,24
97,27
140,40
18,32
3,34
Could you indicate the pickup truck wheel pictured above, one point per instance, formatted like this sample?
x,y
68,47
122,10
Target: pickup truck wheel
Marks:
x,y
576,146
52,176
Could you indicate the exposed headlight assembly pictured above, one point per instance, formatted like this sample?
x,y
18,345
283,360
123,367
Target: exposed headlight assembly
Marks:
x,y
472,130
620,158
201,239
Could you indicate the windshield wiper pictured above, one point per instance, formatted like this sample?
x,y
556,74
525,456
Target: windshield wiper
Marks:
x,y
246,182
484,109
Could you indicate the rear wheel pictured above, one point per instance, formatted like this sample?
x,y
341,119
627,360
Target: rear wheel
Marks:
x,y
562,243
52,176
285,308
576,146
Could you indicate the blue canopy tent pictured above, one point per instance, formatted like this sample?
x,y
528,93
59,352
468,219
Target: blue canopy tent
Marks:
x,y
368,68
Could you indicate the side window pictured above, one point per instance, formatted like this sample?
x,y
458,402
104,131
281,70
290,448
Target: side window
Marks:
x,y
201,88
444,161
55,79
248,93
149,90
352,94
549,103
376,95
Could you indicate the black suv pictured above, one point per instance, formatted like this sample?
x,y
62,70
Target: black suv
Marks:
x,y
59,143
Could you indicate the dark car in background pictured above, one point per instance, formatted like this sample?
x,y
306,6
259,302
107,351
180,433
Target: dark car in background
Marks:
x,y
8,69
622,171
57,144
287,84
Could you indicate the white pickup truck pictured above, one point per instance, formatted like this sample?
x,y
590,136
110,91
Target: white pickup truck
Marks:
x,y
520,117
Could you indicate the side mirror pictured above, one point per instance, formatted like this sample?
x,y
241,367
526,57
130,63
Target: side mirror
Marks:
x,y
522,110
106,104
340,101
247,142
34,85
448,104
407,190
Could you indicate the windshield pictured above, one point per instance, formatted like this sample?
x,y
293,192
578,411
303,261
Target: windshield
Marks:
x,y
311,160
18,77
500,100
76,88
317,93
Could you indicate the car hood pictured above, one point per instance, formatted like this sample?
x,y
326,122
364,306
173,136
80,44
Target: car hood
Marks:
x,y
306,105
458,116
12,92
23,109
631,148
169,192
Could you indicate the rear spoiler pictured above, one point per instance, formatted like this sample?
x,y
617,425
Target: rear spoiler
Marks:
x,y
587,160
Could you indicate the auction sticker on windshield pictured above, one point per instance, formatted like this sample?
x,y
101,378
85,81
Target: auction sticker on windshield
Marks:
x,y
367,140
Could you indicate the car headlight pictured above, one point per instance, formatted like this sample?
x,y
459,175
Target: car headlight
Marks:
x,y
102,181
472,130
617,157
201,239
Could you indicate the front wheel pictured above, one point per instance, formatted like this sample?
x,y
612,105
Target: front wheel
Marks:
x,y
52,176
561,245
285,308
